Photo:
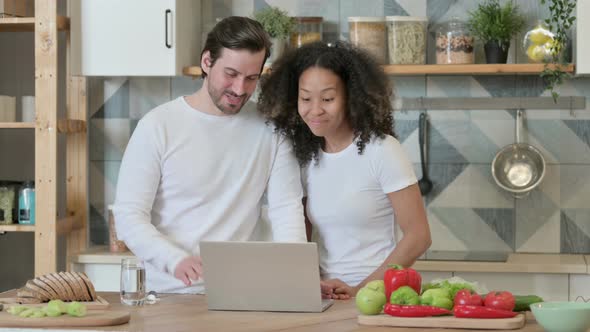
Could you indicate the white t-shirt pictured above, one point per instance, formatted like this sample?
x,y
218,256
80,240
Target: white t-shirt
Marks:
x,y
348,206
188,176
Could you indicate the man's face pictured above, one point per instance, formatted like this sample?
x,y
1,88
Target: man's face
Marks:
x,y
232,79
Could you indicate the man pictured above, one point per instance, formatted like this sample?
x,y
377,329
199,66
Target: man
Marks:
x,y
197,167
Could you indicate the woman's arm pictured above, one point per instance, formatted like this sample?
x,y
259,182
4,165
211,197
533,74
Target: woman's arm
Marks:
x,y
410,215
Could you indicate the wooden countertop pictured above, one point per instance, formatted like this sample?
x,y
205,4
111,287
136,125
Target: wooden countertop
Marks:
x,y
516,263
175,312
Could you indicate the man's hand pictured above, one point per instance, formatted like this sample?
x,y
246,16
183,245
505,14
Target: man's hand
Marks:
x,y
190,268
337,289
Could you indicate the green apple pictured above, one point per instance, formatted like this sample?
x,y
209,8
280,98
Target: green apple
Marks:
x,y
376,285
370,301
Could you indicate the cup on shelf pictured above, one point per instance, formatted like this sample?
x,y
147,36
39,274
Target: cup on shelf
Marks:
x,y
28,108
7,109
132,282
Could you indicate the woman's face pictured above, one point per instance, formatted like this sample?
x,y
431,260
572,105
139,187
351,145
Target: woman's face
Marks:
x,y
322,102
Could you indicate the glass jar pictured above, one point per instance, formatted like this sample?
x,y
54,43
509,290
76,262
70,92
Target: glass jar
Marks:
x,y
369,33
454,43
308,29
537,43
26,203
407,40
7,203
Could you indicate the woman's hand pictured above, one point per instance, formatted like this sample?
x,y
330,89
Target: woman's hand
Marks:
x,y
337,289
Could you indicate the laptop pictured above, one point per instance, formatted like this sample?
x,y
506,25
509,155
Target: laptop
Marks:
x,y
262,276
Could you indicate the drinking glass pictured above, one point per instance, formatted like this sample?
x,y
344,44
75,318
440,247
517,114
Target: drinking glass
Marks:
x,y
132,281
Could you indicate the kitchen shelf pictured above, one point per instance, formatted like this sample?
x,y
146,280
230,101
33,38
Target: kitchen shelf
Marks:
x,y
17,228
24,24
64,126
17,125
474,69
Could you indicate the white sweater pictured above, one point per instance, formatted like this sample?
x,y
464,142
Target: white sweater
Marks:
x,y
188,176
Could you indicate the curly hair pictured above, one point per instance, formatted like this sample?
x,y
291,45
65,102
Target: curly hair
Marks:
x,y
368,91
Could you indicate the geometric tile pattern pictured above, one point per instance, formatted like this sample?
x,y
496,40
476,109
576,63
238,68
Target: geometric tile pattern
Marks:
x,y
466,209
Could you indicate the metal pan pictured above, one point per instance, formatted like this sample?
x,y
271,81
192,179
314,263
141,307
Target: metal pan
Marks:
x,y
520,167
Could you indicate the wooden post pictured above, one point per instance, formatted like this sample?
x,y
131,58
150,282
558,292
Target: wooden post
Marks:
x,y
76,159
46,55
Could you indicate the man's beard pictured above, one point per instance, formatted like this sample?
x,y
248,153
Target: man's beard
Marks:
x,y
217,97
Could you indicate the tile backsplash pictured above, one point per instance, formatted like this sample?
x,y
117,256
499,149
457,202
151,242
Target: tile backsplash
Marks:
x,y
466,209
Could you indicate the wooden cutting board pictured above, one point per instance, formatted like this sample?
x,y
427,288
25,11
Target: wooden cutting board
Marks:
x,y
92,318
99,303
445,322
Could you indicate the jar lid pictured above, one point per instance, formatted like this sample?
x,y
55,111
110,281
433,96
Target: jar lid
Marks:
x,y
309,19
366,19
407,18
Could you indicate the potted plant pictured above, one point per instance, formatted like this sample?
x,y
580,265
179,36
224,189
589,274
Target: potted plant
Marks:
x,y
561,19
279,26
495,26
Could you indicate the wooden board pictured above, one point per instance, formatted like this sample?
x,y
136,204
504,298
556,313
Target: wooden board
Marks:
x,y
92,318
98,304
444,322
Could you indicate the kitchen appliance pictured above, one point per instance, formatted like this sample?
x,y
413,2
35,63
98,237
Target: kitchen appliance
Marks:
x,y
470,256
520,167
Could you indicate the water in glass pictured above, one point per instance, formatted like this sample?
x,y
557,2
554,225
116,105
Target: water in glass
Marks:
x,y
132,282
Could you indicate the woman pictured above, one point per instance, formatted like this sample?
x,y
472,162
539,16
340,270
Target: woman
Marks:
x,y
333,103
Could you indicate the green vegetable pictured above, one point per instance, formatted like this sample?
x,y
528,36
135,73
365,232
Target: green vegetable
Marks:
x,y
523,302
437,297
405,295
37,313
76,309
454,285
16,309
28,312
56,307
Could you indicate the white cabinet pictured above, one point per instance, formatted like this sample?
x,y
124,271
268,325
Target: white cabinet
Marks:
x,y
581,45
134,37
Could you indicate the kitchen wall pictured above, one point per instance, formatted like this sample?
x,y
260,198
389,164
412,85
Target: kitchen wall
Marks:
x,y
466,209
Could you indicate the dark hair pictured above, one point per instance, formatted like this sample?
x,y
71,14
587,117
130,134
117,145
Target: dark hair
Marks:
x,y
368,92
236,33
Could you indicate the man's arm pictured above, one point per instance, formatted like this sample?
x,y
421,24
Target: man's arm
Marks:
x,y
139,178
284,193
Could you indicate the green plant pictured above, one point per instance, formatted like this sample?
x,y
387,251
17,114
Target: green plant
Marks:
x,y
561,19
275,21
492,22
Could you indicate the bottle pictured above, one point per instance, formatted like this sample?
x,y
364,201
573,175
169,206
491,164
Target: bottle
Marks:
x,y
26,203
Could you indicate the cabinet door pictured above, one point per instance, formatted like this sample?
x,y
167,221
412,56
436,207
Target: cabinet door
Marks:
x,y
125,38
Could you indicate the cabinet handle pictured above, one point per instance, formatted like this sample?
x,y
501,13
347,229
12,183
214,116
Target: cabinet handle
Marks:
x,y
166,15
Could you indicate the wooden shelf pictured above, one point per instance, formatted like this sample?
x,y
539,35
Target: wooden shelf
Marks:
x,y
17,125
475,69
24,24
17,228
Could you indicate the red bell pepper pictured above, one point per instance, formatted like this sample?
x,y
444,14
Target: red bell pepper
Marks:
x,y
396,276
475,311
467,297
413,310
500,300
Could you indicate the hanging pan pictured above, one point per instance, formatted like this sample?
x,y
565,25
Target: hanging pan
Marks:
x,y
520,167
